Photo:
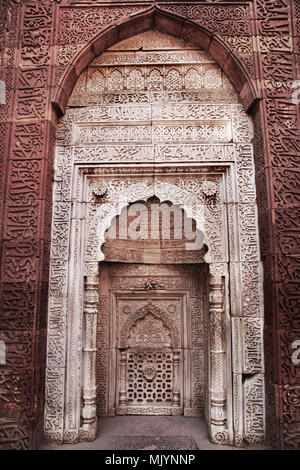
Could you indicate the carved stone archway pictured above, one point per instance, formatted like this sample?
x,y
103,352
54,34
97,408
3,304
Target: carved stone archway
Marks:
x,y
213,181
219,385
168,19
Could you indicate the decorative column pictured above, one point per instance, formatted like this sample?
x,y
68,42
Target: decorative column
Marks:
x,y
218,413
90,311
121,410
176,384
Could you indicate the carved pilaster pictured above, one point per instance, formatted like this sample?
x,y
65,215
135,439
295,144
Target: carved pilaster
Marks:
x,y
90,312
176,390
218,412
121,410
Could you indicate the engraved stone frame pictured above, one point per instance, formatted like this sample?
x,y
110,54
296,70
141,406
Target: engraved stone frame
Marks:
x,y
89,191
174,346
88,222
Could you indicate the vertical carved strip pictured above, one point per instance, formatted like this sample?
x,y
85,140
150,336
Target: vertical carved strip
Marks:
x,y
90,312
218,414
237,354
122,378
254,413
176,392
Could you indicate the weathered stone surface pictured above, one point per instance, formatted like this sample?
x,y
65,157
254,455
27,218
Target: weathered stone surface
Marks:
x,y
153,107
44,46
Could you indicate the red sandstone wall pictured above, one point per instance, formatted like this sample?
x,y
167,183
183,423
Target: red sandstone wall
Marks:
x,y
39,42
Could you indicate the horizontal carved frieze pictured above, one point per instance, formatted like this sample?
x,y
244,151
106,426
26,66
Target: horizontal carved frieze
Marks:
x,y
191,112
154,153
160,77
194,132
92,98
157,57
218,132
133,282
152,40
138,133
172,112
109,114
132,269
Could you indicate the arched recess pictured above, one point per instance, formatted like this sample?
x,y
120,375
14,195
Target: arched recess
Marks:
x,y
140,315
219,395
169,23
148,325
161,271
70,399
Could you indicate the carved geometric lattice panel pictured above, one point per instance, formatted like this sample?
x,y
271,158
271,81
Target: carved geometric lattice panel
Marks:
x,y
149,377
148,330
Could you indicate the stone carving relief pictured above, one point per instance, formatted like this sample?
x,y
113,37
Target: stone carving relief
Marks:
x,y
164,301
163,123
166,328
262,37
215,18
148,362
149,332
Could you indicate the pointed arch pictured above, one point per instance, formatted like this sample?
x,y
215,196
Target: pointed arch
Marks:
x,y
166,23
